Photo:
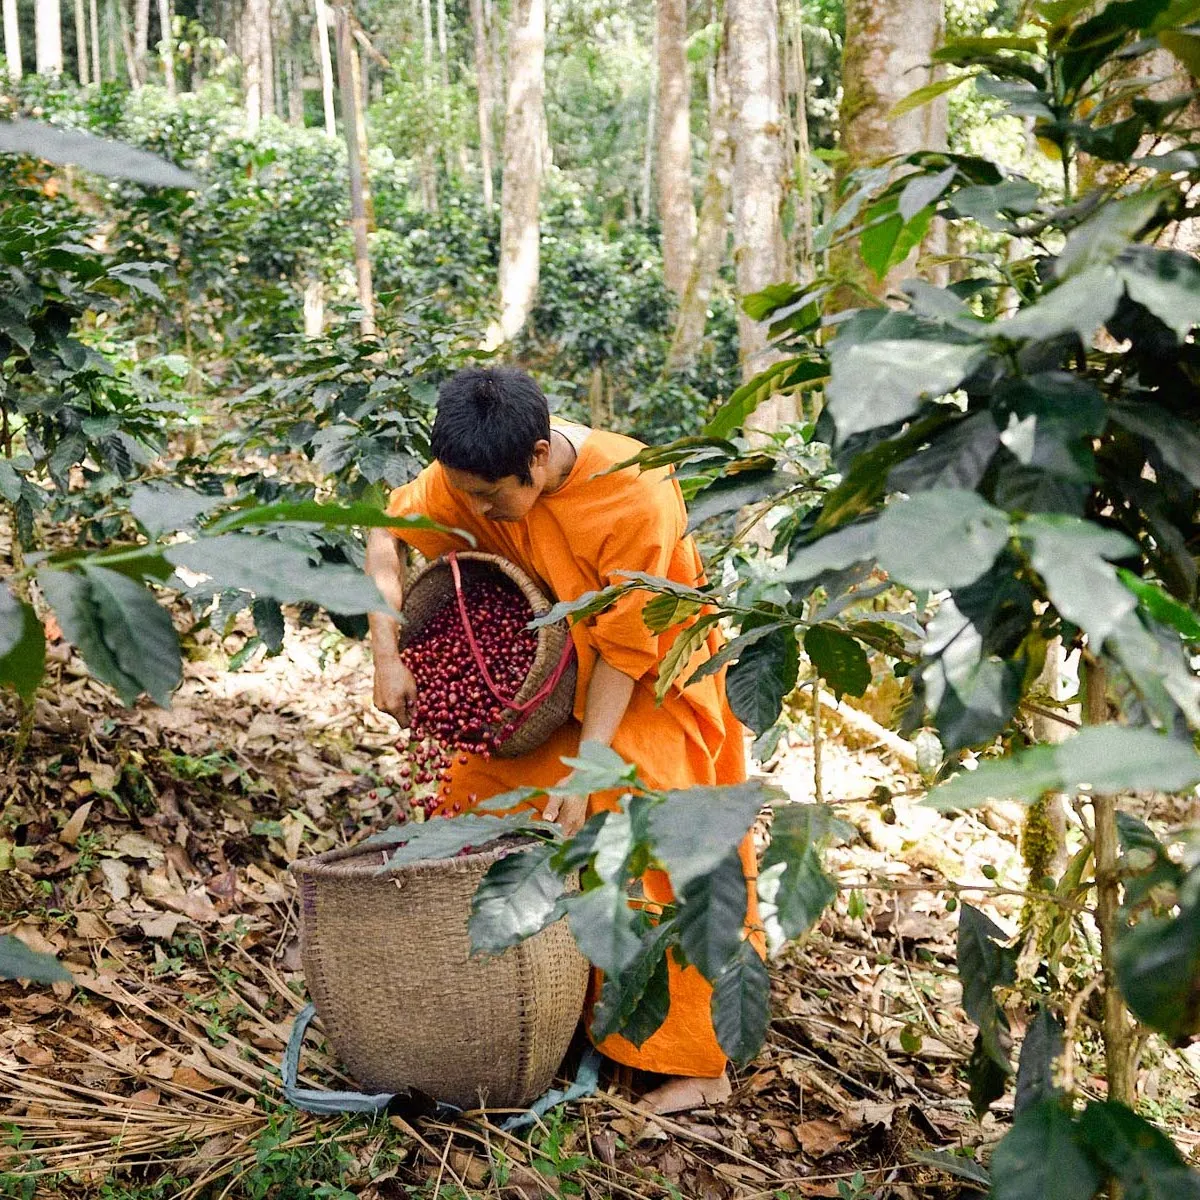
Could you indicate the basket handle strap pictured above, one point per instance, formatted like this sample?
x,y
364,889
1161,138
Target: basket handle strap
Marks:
x,y
527,707
324,1103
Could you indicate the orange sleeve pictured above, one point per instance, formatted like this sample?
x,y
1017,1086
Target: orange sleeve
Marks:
x,y
645,521
428,496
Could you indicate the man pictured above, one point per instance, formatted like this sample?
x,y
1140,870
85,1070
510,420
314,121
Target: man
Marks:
x,y
539,495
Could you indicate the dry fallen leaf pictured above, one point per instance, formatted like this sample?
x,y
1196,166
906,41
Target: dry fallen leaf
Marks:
x,y
116,878
137,845
189,1077
70,832
819,1137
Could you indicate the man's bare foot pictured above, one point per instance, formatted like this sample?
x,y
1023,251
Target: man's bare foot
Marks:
x,y
682,1093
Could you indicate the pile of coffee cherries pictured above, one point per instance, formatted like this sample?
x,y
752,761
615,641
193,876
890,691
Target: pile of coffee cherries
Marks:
x,y
456,712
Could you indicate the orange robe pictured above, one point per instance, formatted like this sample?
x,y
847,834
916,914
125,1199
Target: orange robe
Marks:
x,y
575,540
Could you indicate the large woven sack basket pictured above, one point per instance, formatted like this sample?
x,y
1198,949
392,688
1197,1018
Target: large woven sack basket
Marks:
x,y
433,587
387,959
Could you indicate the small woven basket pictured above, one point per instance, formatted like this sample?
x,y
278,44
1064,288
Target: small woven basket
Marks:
x,y
387,958
433,587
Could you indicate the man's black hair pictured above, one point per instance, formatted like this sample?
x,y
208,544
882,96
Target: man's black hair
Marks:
x,y
488,421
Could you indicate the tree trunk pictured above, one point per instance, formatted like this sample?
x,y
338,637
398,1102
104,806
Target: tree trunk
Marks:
x,y
888,55
676,209
1118,1031
759,253
326,67
354,157
94,15
81,46
712,236
521,188
252,63
651,122
443,42
166,47
48,37
483,91
796,74
112,37
12,40
360,118
131,65
295,89
266,59
314,308
427,168
141,38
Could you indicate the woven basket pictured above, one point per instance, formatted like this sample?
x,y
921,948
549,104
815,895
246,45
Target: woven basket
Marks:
x,y
433,587
388,963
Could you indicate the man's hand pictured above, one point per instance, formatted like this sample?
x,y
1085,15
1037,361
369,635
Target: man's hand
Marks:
x,y
569,811
395,691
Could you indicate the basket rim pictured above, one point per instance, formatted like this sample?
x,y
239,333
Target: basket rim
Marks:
x,y
347,862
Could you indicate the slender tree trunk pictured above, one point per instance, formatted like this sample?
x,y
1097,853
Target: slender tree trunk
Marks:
x,y
326,67
651,122
314,308
127,47
483,91
112,27
759,252
796,74
252,63
166,47
81,46
354,157
295,89
428,163
521,189
48,37
357,73
712,236
676,209
94,15
266,59
443,42
12,40
141,38
1117,1029
889,53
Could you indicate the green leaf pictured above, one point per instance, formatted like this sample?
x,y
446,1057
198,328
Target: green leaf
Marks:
x,y
588,604
1161,606
984,964
138,632
912,537
987,1080
1107,758
732,650
445,837
1142,1158
1185,46
269,623
1040,1158
1167,282
17,961
360,515
635,1003
1158,967
517,898
1041,1050
835,551
165,508
956,48
1145,866
971,693
280,571
693,830
665,612
762,678
1069,553
880,382
10,482
596,768
1052,417
1107,232
734,491
992,205
710,915
1175,439
793,887
22,645
839,659
605,927
741,1005
1080,305
75,148
732,415
957,458
926,95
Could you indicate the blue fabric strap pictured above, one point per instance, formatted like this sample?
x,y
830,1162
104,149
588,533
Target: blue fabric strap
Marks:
x,y
326,1103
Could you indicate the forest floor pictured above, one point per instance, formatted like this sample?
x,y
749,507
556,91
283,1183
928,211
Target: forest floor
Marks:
x,y
149,850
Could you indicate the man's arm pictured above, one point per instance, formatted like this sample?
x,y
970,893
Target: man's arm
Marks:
x,y
395,688
608,695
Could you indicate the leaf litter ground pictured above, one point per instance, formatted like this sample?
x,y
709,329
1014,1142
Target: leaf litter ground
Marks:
x,y
149,848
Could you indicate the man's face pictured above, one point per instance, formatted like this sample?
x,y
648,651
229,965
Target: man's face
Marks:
x,y
506,499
